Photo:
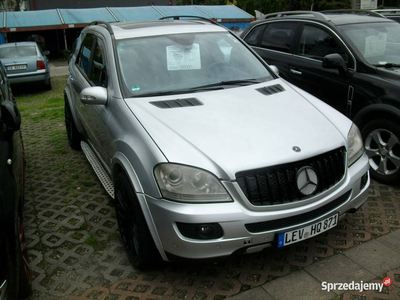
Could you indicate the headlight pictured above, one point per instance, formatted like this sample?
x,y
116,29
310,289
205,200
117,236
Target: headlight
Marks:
x,y
355,147
188,184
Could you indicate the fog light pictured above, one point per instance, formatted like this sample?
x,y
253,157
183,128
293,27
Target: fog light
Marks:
x,y
200,231
205,230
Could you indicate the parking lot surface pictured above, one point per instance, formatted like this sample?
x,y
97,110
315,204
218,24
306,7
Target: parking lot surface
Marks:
x,y
76,252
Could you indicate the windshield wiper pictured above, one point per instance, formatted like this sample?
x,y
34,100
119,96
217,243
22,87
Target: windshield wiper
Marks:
x,y
388,65
209,87
164,93
240,82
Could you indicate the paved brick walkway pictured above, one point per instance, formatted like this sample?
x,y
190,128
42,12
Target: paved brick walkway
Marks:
x,y
75,247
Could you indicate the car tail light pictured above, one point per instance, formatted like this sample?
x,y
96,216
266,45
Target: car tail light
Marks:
x,y
40,65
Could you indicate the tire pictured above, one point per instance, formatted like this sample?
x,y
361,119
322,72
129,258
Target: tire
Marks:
x,y
132,225
47,85
25,278
73,134
19,275
382,143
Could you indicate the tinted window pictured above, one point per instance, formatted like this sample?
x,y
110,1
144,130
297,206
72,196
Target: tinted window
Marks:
x,y
252,37
316,43
85,52
98,70
279,36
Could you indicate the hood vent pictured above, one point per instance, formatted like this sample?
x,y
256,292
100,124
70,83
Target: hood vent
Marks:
x,y
188,102
269,90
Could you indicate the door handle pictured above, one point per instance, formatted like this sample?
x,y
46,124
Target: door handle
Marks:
x,y
295,72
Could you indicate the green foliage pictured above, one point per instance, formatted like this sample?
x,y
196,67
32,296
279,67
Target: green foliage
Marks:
x,y
269,6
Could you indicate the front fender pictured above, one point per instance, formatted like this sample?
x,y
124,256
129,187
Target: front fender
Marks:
x,y
374,111
120,161
67,98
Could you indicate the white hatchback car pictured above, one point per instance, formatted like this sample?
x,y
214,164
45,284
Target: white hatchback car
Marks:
x,y
206,151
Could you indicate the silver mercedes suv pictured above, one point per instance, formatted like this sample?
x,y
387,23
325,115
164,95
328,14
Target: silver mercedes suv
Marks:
x,y
205,149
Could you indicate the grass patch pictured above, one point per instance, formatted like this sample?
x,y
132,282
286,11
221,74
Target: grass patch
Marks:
x,y
32,98
58,139
49,114
95,243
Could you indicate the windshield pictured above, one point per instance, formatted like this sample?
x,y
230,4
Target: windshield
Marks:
x,y
378,43
17,51
183,62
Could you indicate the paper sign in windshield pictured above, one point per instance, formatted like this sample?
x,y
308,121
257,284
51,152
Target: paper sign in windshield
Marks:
x,y
183,58
375,45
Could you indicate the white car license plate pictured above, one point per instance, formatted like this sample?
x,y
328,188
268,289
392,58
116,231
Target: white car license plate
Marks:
x,y
294,236
17,67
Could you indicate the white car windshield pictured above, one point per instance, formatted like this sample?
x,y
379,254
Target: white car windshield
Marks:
x,y
378,43
182,63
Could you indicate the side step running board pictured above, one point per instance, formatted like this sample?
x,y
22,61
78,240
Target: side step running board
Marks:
x,y
98,169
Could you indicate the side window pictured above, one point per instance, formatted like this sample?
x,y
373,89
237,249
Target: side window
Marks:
x,y
279,36
98,71
252,37
85,53
316,43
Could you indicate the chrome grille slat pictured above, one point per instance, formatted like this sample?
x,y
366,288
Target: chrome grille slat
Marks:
x,y
277,184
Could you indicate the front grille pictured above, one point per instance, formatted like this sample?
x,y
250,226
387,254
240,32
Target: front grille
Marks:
x,y
277,185
299,219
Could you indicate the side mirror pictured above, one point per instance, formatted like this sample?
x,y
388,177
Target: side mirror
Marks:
x,y
10,115
47,52
335,61
274,69
95,95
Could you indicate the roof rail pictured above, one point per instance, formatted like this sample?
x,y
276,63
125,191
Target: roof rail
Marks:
x,y
354,11
317,15
108,26
193,17
387,10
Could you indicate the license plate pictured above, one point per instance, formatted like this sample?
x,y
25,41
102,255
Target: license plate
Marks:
x,y
294,236
17,67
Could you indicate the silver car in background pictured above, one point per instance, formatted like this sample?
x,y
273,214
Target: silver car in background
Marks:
x,y
206,151
26,62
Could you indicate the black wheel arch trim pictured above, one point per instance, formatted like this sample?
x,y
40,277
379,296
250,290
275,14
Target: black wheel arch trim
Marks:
x,y
361,118
78,124
141,198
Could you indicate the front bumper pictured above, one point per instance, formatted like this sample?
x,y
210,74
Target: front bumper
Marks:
x,y
233,217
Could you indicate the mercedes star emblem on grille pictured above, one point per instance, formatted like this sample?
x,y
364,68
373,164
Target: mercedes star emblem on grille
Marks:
x,y
307,180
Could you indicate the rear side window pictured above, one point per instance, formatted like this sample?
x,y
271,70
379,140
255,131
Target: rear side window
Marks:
x,y
279,36
253,36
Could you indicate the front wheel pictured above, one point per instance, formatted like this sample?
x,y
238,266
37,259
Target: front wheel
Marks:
x,y
132,225
382,144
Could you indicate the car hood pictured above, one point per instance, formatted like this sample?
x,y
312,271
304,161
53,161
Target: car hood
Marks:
x,y
392,74
240,128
